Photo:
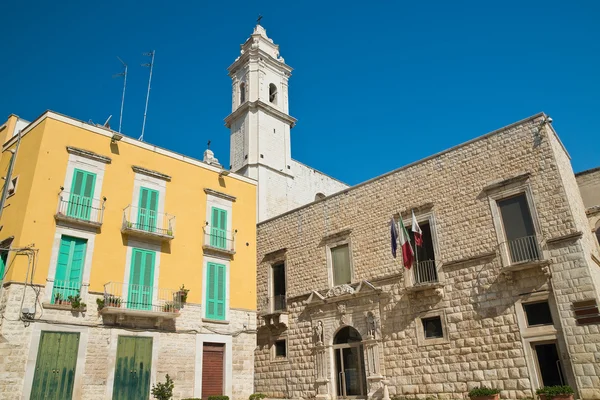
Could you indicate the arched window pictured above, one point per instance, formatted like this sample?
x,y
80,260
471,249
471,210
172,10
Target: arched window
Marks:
x,y
273,93
347,335
319,196
242,92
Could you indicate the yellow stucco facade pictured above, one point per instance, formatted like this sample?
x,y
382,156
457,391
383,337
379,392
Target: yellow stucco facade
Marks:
x,y
42,168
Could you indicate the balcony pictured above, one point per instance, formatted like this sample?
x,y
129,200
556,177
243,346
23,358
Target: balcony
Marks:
x,y
145,223
277,311
80,210
66,295
425,276
129,300
522,253
219,241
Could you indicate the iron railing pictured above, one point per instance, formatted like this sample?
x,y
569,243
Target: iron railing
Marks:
x,y
278,303
141,298
523,249
62,290
148,221
78,207
425,272
219,239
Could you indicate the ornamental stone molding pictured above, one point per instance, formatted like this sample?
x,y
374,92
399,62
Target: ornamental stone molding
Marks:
x,y
340,290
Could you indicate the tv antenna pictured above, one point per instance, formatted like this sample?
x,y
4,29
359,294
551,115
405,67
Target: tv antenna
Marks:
x,y
151,65
124,75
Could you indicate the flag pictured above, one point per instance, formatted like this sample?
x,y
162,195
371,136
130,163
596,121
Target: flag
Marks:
x,y
417,231
394,235
407,251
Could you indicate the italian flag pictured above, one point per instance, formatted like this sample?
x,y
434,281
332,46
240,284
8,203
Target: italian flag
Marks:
x,y
407,252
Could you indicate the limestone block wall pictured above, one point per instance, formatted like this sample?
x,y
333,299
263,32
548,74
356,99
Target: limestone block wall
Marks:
x,y
485,343
175,351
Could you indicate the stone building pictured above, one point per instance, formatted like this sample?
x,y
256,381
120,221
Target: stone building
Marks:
x,y
260,126
589,185
504,293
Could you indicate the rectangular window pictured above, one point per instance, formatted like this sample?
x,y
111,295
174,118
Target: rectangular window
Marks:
x,y
69,268
279,290
82,193
425,269
432,328
280,349
215,291
141,280
519,229
218,228
147,210
340,263
538,313
3,262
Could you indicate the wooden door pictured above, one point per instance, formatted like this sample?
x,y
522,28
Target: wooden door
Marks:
x,y
133,368
212,369
55,366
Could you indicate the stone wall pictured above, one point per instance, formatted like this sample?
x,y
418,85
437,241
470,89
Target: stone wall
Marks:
x,y
176,346
478,300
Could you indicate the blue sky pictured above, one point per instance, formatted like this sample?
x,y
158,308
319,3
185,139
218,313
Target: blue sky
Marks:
x,y
376,85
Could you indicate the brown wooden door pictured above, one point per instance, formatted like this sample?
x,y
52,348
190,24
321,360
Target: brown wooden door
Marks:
x,y
212,369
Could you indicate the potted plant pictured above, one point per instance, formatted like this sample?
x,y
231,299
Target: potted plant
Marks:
x,y
559,392
182,294
170,307
163,391
100,303
57,298
484,393
112,301
76,303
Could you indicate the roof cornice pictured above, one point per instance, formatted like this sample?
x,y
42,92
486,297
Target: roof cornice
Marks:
x,y
254,105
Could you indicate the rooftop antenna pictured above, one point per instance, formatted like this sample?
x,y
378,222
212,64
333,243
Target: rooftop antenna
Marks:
x,y
124,75
151,65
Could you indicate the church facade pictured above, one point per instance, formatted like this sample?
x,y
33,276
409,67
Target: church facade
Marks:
x,y
260,126
504,292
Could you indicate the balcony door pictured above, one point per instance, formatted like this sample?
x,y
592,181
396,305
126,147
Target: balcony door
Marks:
x,y
147,209
519,229
278,301
82,193
141,280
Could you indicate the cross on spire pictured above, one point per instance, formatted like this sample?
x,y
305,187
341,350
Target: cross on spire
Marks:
x,y
258,19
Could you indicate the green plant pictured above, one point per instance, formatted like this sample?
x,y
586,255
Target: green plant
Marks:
x,y
218,397
170,307
57,298
112,301
257,396
182,294
100,303
163,391
551,391
76,302
483,391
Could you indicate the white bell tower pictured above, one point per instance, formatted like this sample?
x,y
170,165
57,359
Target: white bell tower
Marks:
x,y
259,122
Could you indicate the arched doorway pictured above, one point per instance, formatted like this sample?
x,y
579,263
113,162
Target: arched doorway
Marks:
x,y
349,359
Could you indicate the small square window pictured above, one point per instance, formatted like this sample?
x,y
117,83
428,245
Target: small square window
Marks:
x,y
432,328
280,349
538,313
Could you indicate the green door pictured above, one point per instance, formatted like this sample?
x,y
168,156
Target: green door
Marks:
x,y
141,280
218,228
132,370
215,291
82,193
147,209
69,268
55,366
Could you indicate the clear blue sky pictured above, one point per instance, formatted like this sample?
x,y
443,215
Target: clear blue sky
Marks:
x,y
376,85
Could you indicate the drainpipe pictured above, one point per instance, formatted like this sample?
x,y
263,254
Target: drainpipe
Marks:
x,y
8,178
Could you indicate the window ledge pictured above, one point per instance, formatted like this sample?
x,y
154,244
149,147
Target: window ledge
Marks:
x,y
434,341
218,251
279,360
65,307
526,265
419,287
216,321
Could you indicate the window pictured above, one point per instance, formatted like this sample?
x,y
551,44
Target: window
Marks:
x,y
141,280
215,291
81,197
279,291
242,93
538,313
69,268
425,269
273,93
218,228
147,210
518,228
12,186
432,328
280,349
340,264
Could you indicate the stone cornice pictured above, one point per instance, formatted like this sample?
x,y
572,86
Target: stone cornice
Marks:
x,y
219,194
480,256
254,54
522,177
149,172
88,154
593,210
569,236
254,105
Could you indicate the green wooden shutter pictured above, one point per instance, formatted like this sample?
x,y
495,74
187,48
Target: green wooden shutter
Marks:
x,y
55,366
218,230
215,291
82,193
141,279
69,267
3,260
147,209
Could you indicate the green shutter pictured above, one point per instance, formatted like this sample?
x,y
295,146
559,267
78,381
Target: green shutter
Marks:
x,y
147,209
69,267
132,369
82,192
215,291
55,366
218,228
3,260
141,279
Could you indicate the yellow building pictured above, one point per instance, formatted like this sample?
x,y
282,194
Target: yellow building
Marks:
x,y
99,233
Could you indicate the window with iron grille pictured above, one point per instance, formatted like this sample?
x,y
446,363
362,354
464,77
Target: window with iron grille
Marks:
x,y
519,231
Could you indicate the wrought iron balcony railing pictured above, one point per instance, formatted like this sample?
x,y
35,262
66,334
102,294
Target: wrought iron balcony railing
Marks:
x,y
146,222
522,250
63,292
278,303
139,299
425,272
219,239
80,209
